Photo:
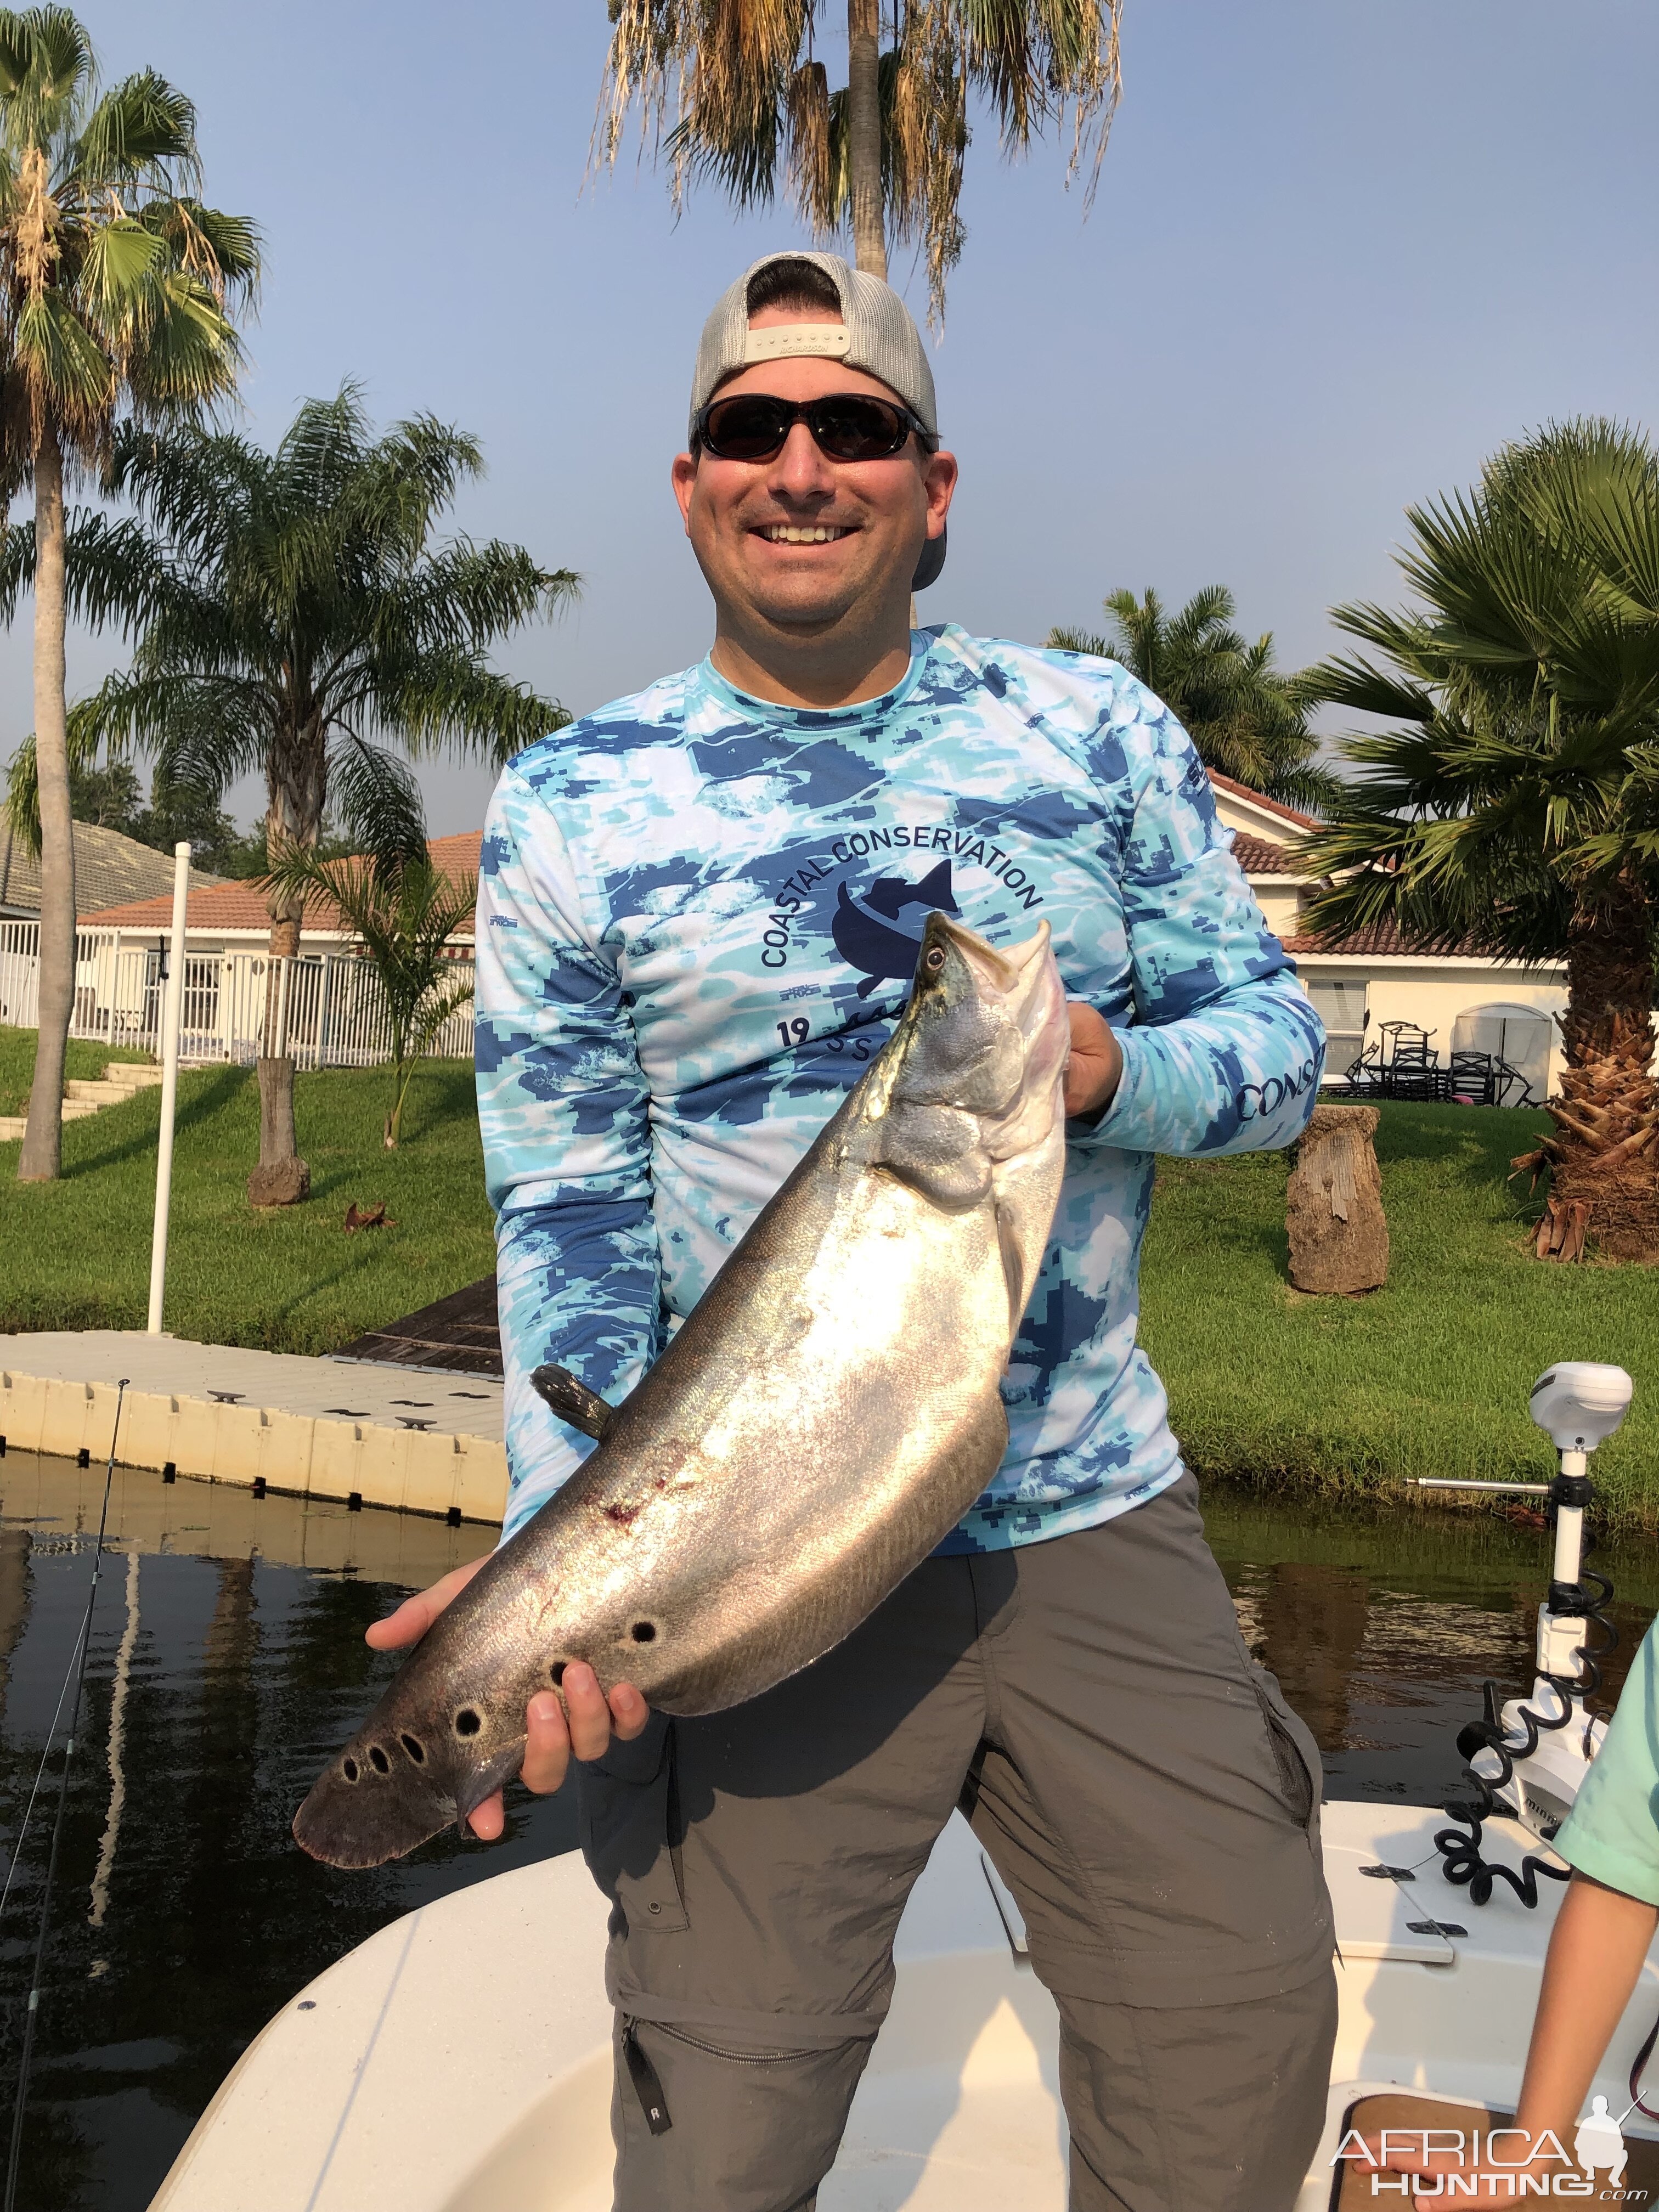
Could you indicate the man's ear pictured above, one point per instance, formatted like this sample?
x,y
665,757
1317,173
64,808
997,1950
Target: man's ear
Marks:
x,y
683,477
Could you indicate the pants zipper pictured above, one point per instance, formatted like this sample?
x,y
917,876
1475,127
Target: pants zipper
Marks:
x,y
643,2075
648,2084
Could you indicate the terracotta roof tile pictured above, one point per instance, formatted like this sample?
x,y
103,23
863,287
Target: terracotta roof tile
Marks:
x,y
241,906
1259,799
1260,856
1380,939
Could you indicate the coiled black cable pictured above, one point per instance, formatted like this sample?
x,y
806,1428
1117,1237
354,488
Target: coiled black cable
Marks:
x,y
1461,1862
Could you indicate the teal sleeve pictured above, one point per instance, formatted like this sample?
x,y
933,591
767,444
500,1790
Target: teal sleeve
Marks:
x,y
1611,1833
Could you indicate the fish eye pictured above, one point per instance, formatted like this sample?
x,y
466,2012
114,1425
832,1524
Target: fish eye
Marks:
x,y
378,1759
556,1671
934,960
467,1722
644,1632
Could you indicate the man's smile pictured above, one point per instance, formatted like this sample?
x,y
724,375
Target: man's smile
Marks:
x,y
803,533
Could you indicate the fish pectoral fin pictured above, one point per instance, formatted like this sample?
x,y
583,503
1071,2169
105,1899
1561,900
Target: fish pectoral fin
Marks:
x,y
572,1402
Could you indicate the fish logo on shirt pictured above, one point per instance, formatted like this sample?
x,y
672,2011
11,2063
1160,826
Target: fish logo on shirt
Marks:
x,y
879,932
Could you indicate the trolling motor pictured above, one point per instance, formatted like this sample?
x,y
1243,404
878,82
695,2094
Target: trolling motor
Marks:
x,y
1527,1759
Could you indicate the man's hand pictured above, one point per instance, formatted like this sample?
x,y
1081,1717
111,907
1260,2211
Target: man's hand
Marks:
x,y
1096,1065
552,1743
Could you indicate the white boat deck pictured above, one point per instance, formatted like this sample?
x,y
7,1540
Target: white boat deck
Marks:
x,y
459,2061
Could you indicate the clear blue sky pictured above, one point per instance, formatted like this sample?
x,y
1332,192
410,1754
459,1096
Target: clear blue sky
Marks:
x,y
1338,252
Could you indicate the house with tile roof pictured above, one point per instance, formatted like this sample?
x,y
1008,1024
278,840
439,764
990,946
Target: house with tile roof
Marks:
x,y
225,916
326,1004
1465,1001
110,870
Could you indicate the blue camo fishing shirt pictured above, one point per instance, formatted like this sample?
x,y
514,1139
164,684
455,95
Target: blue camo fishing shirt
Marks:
x,y
698,917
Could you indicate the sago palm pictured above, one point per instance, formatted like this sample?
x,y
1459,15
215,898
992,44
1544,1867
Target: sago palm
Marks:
x,y
117,287
1515,805
1248,719
296,615
734,92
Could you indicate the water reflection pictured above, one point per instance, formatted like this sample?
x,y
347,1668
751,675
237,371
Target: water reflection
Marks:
x,y
244,1669
227,1663
1382,1623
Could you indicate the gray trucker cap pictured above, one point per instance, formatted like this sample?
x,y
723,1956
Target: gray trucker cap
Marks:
x,y
877,333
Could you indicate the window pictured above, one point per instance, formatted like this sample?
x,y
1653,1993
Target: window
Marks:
x,y
1341,1006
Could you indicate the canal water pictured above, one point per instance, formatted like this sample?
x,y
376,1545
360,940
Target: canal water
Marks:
x,y
228,1664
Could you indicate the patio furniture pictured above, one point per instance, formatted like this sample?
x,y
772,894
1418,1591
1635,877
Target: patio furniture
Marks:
x,y
1473,1078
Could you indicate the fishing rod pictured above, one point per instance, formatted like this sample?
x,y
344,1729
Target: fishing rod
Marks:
x,y
32,2011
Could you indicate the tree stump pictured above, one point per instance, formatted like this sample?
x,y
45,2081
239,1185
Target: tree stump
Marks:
x,y
284,1182
1339,1233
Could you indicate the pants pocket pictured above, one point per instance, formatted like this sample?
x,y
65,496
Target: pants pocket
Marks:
x,y
1295,1755
706,2117
625,1814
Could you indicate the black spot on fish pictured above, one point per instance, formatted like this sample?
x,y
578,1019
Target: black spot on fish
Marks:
x,y
349,1768
467,1722
378,1759
412,1746
556,1671
644,1632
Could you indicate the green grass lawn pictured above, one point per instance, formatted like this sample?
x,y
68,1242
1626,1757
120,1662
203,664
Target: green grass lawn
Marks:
x,y
17,1065
76,1254
1427,1375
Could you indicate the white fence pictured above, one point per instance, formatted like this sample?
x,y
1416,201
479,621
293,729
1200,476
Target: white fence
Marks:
x,y
328,1012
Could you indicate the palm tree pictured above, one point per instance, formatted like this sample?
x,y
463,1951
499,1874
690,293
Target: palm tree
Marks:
x,y
1248,719
294,611
1514,806
738,90
402,910
116,287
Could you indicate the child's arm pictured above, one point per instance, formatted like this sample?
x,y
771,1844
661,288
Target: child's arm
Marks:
x,y
1595,1953
1596,1948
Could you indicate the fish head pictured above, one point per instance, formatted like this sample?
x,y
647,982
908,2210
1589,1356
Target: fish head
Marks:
x,y
403,1779
985,1034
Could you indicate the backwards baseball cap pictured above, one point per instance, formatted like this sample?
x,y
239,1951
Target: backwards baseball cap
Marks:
x,y
877,333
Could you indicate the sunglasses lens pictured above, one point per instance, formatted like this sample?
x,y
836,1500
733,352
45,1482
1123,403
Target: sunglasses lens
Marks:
x,y
850,428
746,429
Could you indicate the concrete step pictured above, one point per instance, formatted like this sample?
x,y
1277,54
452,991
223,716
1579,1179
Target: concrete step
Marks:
x,y
87,1090
12,1126
132,1074
76,1110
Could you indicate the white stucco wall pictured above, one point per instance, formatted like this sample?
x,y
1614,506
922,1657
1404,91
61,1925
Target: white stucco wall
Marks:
x,y
1432,993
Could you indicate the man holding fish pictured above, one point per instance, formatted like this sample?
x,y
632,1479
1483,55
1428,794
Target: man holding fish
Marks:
x,y
700,912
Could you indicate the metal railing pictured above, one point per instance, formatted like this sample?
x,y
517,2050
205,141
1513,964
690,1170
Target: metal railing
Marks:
x,y
328,1008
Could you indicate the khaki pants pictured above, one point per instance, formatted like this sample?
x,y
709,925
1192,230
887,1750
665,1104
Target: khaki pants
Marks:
x,y
1139,1785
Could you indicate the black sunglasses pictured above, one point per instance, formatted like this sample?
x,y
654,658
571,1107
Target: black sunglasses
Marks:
x,y
846,426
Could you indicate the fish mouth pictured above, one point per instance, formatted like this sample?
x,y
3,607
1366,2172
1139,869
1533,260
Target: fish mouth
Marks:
x,y
1014,974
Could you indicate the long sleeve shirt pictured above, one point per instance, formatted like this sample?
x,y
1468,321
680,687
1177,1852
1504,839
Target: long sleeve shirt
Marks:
x,y
698,918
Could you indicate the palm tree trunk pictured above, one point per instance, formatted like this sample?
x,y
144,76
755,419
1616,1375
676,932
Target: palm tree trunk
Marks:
x,y
1603,1154
864,133
42,1157
293,816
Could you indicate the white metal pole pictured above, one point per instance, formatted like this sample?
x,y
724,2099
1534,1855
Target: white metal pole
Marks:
x,y
171,1016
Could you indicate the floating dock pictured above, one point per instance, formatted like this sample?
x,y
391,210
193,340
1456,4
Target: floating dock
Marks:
x,y
347,1430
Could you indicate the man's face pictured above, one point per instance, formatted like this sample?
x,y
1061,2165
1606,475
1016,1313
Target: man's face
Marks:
x,y
869,518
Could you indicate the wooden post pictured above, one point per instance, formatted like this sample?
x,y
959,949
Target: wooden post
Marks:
x,y
1339,1233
